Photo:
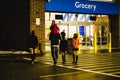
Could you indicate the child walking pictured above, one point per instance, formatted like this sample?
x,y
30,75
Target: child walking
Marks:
x,y
63,48
75,45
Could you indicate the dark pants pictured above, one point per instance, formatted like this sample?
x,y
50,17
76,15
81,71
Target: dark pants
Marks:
x,y
33,54
75,59
63,57
54,51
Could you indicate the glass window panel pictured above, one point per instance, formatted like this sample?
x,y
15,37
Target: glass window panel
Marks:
x,y
72,30
72,17
88,18
65,16
64,27
47,16
81,17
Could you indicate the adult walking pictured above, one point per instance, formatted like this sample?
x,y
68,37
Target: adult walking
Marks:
x,y
54,39
33,43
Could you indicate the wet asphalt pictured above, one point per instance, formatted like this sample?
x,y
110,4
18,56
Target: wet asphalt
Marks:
x,y
22,69
19,70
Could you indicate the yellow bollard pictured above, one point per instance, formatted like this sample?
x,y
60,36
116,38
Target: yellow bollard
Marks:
x,y
95,43
79,45
109,42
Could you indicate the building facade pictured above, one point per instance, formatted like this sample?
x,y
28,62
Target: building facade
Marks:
x,y
105,21
25,16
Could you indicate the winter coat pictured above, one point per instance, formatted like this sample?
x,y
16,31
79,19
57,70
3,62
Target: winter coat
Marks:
x,y
75,43
54,29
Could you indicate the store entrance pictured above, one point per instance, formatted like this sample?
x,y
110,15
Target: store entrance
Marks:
x,y
87,35
83,25
86,32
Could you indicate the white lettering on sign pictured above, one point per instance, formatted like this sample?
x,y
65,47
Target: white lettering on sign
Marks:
x,y
85,6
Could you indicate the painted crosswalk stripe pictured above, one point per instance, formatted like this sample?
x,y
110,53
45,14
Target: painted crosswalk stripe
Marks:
x,y
63,74
106,64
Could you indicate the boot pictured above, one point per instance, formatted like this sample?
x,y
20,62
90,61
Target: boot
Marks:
x,y
76,59
73,58
63,59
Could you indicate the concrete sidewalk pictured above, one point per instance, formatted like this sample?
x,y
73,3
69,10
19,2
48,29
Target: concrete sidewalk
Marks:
x,y
22,54
5,53
15,55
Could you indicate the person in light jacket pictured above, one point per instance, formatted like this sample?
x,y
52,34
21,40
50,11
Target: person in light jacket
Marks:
x,y
75,45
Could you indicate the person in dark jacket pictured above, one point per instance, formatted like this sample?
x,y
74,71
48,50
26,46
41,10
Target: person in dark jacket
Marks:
x,y
63,48
63,34
33,43
54,39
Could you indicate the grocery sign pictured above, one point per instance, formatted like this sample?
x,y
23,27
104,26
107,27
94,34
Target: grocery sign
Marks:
x,y
82,6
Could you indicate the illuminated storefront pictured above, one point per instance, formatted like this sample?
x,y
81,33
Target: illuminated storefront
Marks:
x,y
82,16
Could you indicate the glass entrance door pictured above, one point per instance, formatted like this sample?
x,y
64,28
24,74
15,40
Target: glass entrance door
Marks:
x,y
87,35
102,35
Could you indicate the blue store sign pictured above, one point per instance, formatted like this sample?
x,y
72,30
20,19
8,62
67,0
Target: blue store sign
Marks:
x,y
82,6
81,30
